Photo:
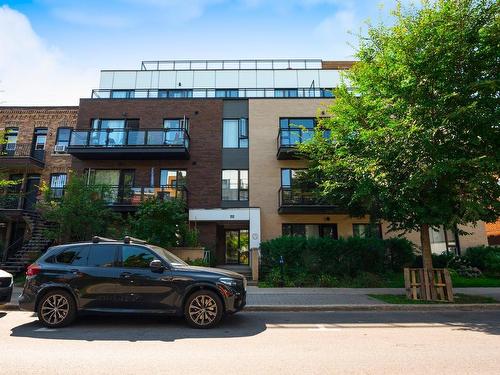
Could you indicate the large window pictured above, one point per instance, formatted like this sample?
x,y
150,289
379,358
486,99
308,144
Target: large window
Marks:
x,y
102,255
122,94
296,130
172,178
310,230
286,93
235,185
175,93
290,178
57,184
235,133
226,93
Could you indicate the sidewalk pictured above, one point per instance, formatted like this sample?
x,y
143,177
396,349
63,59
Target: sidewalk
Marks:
x,y
331,299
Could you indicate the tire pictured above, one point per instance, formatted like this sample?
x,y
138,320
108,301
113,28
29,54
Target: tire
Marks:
x,y
203,309
57,308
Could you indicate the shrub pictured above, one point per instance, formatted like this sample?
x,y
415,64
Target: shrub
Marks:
x,y
198,262
400,253
486,258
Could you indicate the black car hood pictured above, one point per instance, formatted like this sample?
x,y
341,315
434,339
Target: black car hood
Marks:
x,y
212,271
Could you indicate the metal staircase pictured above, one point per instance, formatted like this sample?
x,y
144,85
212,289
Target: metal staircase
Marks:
x,y
33,244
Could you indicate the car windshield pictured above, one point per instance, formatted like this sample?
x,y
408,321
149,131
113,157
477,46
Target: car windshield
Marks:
x,y
171,258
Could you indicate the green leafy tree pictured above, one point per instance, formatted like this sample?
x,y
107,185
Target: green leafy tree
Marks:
x,y
163,223
414,133
80,213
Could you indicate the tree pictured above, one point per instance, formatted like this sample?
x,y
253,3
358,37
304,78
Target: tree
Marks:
x,y
413,135
77,215
163,223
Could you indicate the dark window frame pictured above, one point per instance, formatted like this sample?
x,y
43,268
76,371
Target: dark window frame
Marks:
x,y
58,133
241,137
239,186
286,93
320,226
226,92
379,227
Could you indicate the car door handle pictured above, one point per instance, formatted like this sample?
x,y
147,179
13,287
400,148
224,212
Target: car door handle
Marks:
x,y
125,275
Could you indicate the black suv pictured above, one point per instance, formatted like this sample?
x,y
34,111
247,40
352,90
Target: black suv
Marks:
x,y
127,276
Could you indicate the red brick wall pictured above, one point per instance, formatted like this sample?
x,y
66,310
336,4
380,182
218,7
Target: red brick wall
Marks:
x,y
205,124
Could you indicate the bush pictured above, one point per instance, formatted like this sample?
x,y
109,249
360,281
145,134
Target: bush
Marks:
x,y
486,258
324,261
400,253
198,262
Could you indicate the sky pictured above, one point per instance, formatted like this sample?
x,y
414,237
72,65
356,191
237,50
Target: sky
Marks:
x,y
51,51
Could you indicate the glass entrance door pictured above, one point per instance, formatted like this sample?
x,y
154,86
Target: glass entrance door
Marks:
x,y
237,246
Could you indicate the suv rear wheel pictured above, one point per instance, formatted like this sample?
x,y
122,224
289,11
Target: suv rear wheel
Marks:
x,y
56,309
203,309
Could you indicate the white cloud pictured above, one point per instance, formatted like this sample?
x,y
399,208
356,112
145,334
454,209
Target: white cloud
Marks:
x,y
179,10
336,32
33,73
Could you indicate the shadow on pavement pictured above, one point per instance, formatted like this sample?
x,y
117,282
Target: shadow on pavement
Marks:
x,y
247,324
2,314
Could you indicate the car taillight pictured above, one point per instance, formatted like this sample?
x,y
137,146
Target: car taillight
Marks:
x,y
33,270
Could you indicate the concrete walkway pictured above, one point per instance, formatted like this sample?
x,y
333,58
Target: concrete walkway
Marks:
x,y
316,298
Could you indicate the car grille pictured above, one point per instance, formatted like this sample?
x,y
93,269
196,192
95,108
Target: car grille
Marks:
x,y
5,282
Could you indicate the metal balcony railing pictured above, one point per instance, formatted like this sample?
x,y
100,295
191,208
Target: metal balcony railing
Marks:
x,y
21,150
297,197
129,138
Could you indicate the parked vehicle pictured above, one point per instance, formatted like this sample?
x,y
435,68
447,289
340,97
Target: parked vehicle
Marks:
x,y
6,285
127,276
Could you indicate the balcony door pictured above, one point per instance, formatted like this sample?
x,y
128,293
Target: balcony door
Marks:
x,y
32,186
117,183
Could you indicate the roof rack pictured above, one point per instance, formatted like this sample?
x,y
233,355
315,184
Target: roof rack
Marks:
x,y
97,239
129,239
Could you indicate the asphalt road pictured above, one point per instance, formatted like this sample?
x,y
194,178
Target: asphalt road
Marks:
x,y
257,343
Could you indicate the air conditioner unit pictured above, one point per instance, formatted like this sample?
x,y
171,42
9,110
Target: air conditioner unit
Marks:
x,y
10,146
60,148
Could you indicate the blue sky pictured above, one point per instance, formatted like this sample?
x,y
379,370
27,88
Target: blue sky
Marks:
x,y
51,51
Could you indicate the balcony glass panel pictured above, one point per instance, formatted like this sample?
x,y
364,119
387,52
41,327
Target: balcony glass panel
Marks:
x,y
136,137
155,137
79,137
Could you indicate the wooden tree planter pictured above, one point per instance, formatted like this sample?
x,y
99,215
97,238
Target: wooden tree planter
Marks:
x,y
433,285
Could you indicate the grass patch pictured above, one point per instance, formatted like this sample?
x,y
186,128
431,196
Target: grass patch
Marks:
x,y
484,281
401,299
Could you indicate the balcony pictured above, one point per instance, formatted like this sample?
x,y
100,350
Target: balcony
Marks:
x,y
129,144
287,142
127,198
21,155
301,201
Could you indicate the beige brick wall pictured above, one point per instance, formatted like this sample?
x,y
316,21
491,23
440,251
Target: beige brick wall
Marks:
x,y
265,173
265,169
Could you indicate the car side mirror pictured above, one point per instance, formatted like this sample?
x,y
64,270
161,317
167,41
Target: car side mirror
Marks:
x,y
156,266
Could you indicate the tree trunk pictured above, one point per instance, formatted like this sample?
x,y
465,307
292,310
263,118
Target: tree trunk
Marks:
x,y
425,241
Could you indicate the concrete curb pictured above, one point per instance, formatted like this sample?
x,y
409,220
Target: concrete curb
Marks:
x,y
385,307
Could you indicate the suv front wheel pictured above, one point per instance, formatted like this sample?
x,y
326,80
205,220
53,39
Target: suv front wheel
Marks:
x,y
56,309
203,309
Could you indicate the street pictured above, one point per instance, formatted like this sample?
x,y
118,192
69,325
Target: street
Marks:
x,y
257,343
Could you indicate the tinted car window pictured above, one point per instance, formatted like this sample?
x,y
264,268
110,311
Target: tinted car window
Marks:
x,y
81,258
136,257
67,256
102,255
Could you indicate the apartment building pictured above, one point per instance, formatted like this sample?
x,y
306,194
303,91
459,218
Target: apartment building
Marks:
x,y
219,134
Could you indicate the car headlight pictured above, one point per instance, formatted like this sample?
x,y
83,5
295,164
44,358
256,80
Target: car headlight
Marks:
x,y
228,281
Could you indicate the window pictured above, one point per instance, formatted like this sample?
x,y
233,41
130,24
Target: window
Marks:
x,y
296,130
172,177
102,255
365,230
40,138
11,137
327,93
62,137
286,93
136,257
57,184
443,240
81,257
235,133
235,185
175,133
122,94
226,93
310,230
175,93
66,256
